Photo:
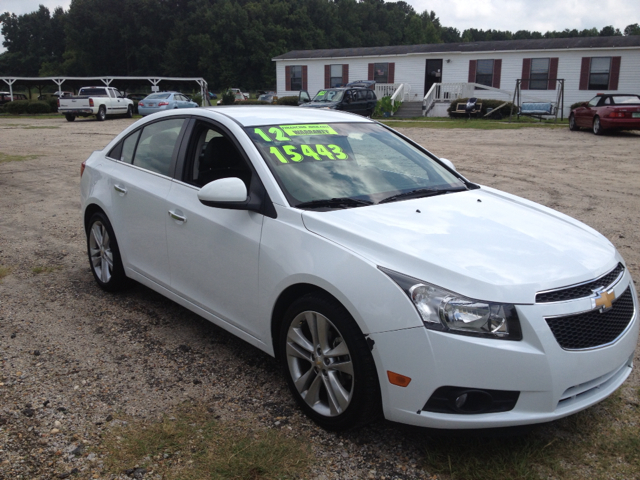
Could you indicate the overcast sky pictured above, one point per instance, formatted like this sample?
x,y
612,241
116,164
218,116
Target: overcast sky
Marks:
x,y
512,15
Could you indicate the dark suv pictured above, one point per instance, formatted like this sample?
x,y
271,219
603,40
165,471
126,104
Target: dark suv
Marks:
x,y
357,100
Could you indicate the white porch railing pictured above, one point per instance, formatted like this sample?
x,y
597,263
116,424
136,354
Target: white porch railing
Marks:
x,y
446,92
397,91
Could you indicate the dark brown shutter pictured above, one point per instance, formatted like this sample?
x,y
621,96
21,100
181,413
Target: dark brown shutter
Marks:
x,y
472,71
614,76
287,78
304,77
553,73
327,76
345,73
497,72
392,73
371,68
584,73
526,73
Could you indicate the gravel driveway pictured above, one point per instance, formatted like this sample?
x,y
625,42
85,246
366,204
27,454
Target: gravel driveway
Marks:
x,y
74,359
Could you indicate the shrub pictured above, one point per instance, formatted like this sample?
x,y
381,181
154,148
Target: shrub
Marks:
x,y
505,110
196,97
253,102
228,97
53,104
384,105
291,100
38,107
577,104
16,107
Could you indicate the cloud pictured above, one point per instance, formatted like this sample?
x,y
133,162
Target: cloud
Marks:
x,y
533,15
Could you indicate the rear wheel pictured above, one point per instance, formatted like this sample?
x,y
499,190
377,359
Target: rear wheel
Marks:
x,y
104,255
597,128
328,364
70,118
102,113
129,111
572,123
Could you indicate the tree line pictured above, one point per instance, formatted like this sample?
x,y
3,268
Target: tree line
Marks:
x,y
228,42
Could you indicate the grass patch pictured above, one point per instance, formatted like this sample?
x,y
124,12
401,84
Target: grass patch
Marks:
x,y
601,442
45,269
33,127
191,445
4,271
5,158
473,123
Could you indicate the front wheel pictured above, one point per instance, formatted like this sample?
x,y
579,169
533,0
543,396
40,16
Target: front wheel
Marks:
x,y
104,255
129,112
597,128
328,364
572,123
102,114
70,118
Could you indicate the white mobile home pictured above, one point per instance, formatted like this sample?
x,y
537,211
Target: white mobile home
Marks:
x,y
491,70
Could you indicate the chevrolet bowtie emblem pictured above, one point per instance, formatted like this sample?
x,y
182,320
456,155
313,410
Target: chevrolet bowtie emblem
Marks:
x,y
602,299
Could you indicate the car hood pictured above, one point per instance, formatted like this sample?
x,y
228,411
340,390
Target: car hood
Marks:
x,y
483,243
319,104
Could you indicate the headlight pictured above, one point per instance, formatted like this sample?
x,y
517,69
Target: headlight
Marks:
x,y
447,311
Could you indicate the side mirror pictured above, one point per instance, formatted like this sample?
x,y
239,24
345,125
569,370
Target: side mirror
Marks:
x,y
449,164
224,193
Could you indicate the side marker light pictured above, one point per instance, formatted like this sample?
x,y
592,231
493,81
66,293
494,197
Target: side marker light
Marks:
x,y
397,379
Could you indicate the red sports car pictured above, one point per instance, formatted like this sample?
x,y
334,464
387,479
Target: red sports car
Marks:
x,y
607,112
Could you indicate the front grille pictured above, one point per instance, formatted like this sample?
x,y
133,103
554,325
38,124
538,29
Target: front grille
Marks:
x,y
579,291
593,329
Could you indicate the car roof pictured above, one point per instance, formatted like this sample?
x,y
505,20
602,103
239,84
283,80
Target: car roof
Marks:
x,y
254,115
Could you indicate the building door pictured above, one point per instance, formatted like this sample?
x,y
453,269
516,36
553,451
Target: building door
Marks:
x,y
432,74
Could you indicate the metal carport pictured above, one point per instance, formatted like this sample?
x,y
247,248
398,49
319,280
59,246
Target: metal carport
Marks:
x,y
121,83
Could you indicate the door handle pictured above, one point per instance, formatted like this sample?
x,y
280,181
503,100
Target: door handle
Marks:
x,y
121,190
177,217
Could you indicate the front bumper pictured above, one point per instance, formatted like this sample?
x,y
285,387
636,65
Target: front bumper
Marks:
x,y
552,382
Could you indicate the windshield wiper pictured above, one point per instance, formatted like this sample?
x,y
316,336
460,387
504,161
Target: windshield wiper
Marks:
x,y
421,192
343,202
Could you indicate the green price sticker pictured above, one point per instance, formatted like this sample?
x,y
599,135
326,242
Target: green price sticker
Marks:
x,y
293,130
296,154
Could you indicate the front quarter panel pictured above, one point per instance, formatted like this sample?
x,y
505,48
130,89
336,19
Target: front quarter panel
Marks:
x,y
291,255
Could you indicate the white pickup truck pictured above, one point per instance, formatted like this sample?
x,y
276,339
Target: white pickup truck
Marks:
x,y
98,101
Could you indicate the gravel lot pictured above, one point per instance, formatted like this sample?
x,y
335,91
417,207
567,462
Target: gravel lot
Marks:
x,y
74,359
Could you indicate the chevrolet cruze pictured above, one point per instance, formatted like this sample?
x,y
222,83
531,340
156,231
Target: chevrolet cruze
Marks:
x,y
385,282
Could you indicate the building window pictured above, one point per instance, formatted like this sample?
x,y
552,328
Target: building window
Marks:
x,y
484,72
599,73
539,74
381,72
336,76
296,78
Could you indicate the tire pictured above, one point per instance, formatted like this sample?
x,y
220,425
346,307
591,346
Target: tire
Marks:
x,y
70,118
104,255
572,123
333,379
102,114
129,112
597,128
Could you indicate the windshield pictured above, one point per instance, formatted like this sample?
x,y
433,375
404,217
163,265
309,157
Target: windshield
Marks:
x,y
327,96
359,161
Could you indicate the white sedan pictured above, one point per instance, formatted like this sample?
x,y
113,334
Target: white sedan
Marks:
x,y
384,281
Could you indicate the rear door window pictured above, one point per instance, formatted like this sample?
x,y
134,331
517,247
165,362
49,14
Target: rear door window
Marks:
x,y
154,151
